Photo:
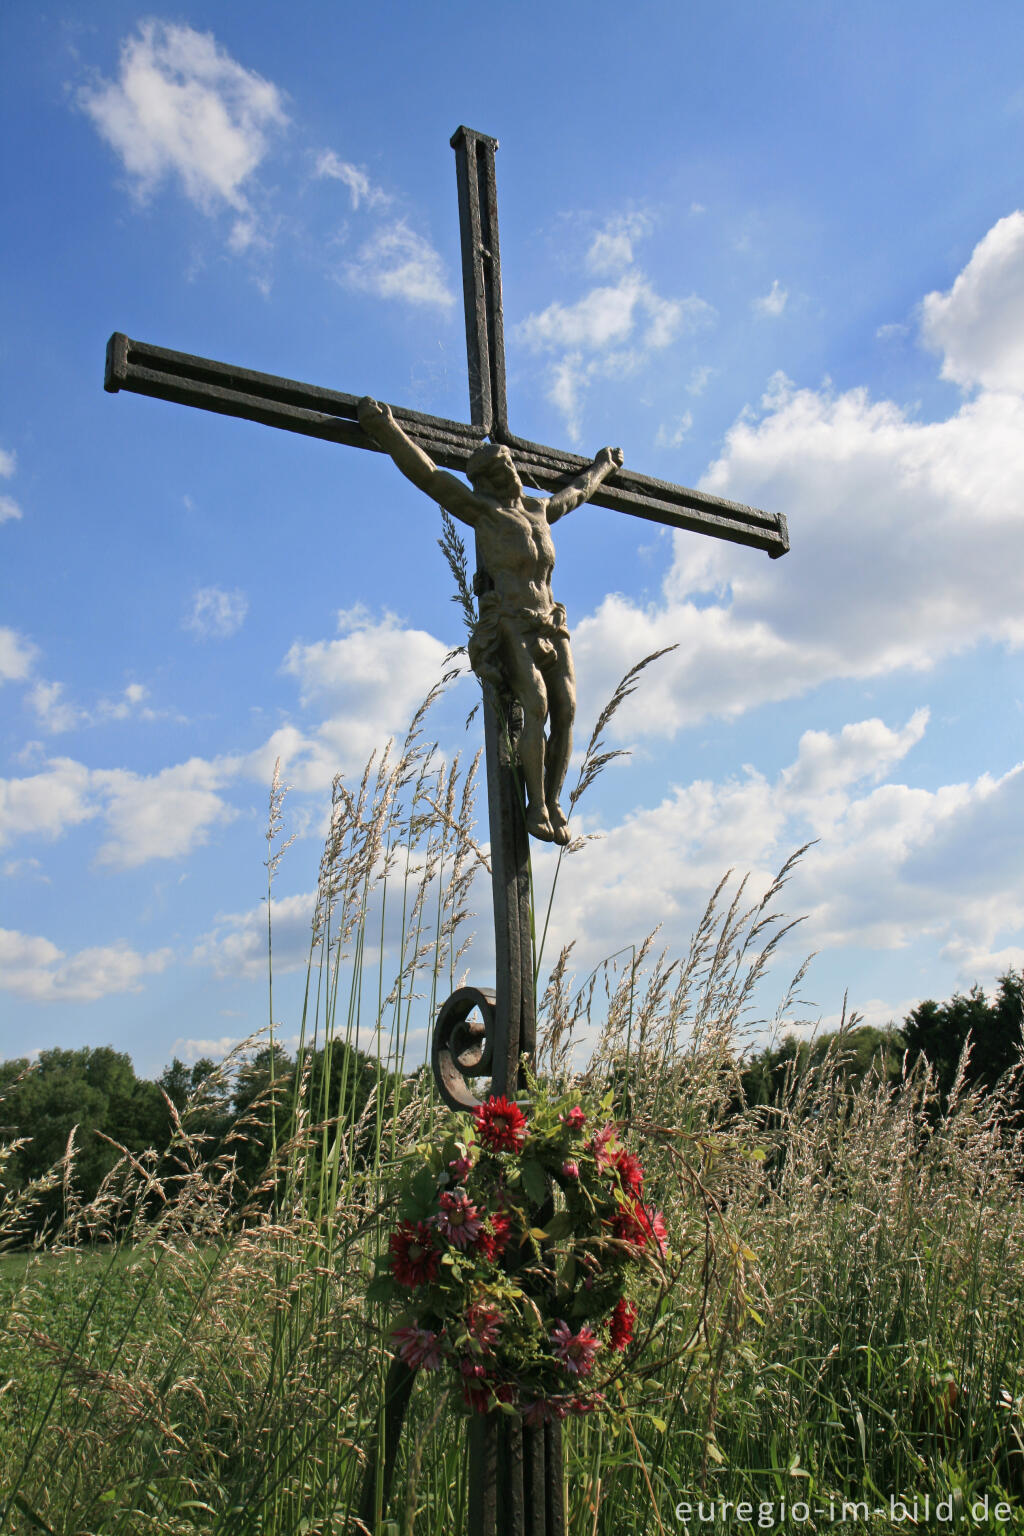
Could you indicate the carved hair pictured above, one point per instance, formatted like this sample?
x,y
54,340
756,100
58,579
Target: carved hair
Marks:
x,y
480,462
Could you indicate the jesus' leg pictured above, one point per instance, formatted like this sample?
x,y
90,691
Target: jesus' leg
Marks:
x,y
561,691
528,686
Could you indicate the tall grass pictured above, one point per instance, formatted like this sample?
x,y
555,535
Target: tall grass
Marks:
x,y
845,1317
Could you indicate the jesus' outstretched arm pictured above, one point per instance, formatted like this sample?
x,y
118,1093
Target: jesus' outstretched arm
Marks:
x,y
378,422
583,487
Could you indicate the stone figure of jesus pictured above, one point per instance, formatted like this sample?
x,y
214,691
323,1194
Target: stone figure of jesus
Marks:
x,y
520,642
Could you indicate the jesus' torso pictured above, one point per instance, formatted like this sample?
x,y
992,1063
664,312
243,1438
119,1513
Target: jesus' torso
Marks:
x,y
518,553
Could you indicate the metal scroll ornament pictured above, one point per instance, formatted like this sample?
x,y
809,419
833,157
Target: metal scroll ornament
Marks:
x,y
463,1047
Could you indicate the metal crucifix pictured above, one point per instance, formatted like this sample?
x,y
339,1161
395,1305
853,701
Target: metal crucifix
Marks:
x,y
520,650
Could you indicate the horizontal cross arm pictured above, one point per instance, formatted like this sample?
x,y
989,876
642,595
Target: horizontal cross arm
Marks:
x,y
331,415
275,402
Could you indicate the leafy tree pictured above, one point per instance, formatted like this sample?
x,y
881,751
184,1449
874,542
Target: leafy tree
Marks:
x,y
940,1031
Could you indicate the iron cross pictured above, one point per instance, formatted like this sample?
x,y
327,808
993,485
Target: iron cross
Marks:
x,y
516,1481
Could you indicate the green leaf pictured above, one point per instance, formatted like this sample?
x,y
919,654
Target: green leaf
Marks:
x,y
534,1182
561,1224
659,1424
380,1289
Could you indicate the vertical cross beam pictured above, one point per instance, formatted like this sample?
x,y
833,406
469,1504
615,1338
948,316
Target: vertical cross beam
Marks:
x,y
515,1471
515,1019
481,279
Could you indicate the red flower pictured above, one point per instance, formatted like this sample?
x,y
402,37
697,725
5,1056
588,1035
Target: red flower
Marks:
x,y
501,1124
631,1225
494,1235
414,1259
635,1224
575,1119
620,1324
630,1170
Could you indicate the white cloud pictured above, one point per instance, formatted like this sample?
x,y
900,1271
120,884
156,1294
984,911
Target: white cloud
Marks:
x,y
164,815
361,189
216,614
612,315
397,263
699,378
47,803
613,329
237,944
181,106
670,435
9,509
612,248
191,1051
978,325
367,683
772,303
54,712
33,967
8,463
893,865
17,656
906,549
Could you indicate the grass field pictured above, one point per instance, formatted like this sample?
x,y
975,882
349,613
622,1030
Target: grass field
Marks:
x,y
845,1319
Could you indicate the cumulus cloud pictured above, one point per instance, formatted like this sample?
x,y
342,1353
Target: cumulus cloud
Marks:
x,y
33,967
893,864
366,684
361,189
216,614
17,656
159,816
46,804
56,713
771,304
612,248
906,539
163,815
978,325
182,107
237,944
397,263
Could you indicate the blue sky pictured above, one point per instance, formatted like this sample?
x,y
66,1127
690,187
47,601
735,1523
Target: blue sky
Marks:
x,y
776,251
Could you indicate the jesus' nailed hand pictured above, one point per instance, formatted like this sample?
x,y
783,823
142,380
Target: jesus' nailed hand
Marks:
x,y
520,643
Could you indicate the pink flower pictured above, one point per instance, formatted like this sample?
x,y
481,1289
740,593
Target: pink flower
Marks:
x,y
543,1409
461,1168
599,1146
570,1168
483,1323
575,1119
660,1231
575,1350
419,1346
458,1220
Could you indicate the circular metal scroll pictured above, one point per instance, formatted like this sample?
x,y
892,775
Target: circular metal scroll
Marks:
x,y
463,1047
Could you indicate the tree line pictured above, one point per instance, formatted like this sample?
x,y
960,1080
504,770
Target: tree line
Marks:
x,y
94,1096
95,1093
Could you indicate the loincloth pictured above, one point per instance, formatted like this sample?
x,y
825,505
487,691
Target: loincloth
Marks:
x,y
497,621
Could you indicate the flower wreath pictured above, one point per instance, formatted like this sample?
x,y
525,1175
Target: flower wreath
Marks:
x,y
518,1241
